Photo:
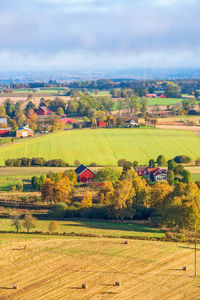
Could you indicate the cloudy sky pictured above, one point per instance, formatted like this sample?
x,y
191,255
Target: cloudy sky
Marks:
x,y
98,34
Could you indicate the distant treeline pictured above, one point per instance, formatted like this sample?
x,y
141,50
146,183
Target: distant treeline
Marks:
x,y
35,161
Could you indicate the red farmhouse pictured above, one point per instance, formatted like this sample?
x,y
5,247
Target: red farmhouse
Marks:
x,y
84,174
44,111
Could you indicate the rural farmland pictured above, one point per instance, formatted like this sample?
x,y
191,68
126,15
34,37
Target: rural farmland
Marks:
x,y
106,146
58,266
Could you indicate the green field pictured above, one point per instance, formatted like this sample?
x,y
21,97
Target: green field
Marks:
x,y
41,90
106,146
164,101
92,227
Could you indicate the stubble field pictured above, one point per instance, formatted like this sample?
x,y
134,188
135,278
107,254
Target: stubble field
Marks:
x,y
55,268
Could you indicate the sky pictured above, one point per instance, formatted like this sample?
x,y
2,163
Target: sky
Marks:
x,y
85,35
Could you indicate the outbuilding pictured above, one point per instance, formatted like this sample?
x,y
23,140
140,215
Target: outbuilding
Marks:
x,y
24,131
84,174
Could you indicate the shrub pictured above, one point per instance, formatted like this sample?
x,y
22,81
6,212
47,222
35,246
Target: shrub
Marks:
x,y
13,188
93,164
121,162
53,227
57,211
182,159
56,163
37,161
77,163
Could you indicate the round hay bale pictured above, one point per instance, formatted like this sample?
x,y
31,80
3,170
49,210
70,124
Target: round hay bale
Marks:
x,y
15,286
126,242
84,286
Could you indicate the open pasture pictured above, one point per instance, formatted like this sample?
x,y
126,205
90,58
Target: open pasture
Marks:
x,y
56,267
101,229
106,146
164,101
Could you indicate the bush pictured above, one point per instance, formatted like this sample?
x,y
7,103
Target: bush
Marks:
x,y
13,188
182,159
57,211
93,164
37,161
56,163
121,162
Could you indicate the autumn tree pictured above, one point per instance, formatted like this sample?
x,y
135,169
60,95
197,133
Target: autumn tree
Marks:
x,y
106,193
182,208
86,200
122,200
159,193
29,221
47,190
62,191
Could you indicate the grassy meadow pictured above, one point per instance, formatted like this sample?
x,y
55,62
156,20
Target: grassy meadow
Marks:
x,y
106,146
55,267
164,101
92,227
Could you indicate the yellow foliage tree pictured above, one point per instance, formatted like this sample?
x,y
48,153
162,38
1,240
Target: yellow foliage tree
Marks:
x,y
106,192
86,200
62,191
123,197
159,193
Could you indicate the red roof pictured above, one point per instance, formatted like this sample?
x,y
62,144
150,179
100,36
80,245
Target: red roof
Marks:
x,y
68,120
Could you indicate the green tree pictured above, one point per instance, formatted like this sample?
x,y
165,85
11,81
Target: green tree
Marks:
x,y
152,163
171,164
60,111
172,90
107,174
170,177
161,161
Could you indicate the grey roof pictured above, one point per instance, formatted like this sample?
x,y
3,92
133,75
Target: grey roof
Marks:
x,y
82,168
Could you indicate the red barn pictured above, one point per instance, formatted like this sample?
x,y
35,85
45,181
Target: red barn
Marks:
x,y
101,124
44,111
4,131
84,174
141,171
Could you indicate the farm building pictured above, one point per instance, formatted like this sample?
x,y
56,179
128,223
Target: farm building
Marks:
x,y
67,120
84,174
154,174
131,123
141,171
4,122
157,174
44,111
101,124
4,132
24,131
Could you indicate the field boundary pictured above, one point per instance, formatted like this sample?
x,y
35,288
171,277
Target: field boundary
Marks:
x,y
88,235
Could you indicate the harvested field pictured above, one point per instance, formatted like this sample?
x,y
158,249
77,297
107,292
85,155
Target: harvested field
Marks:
x,y
55,268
